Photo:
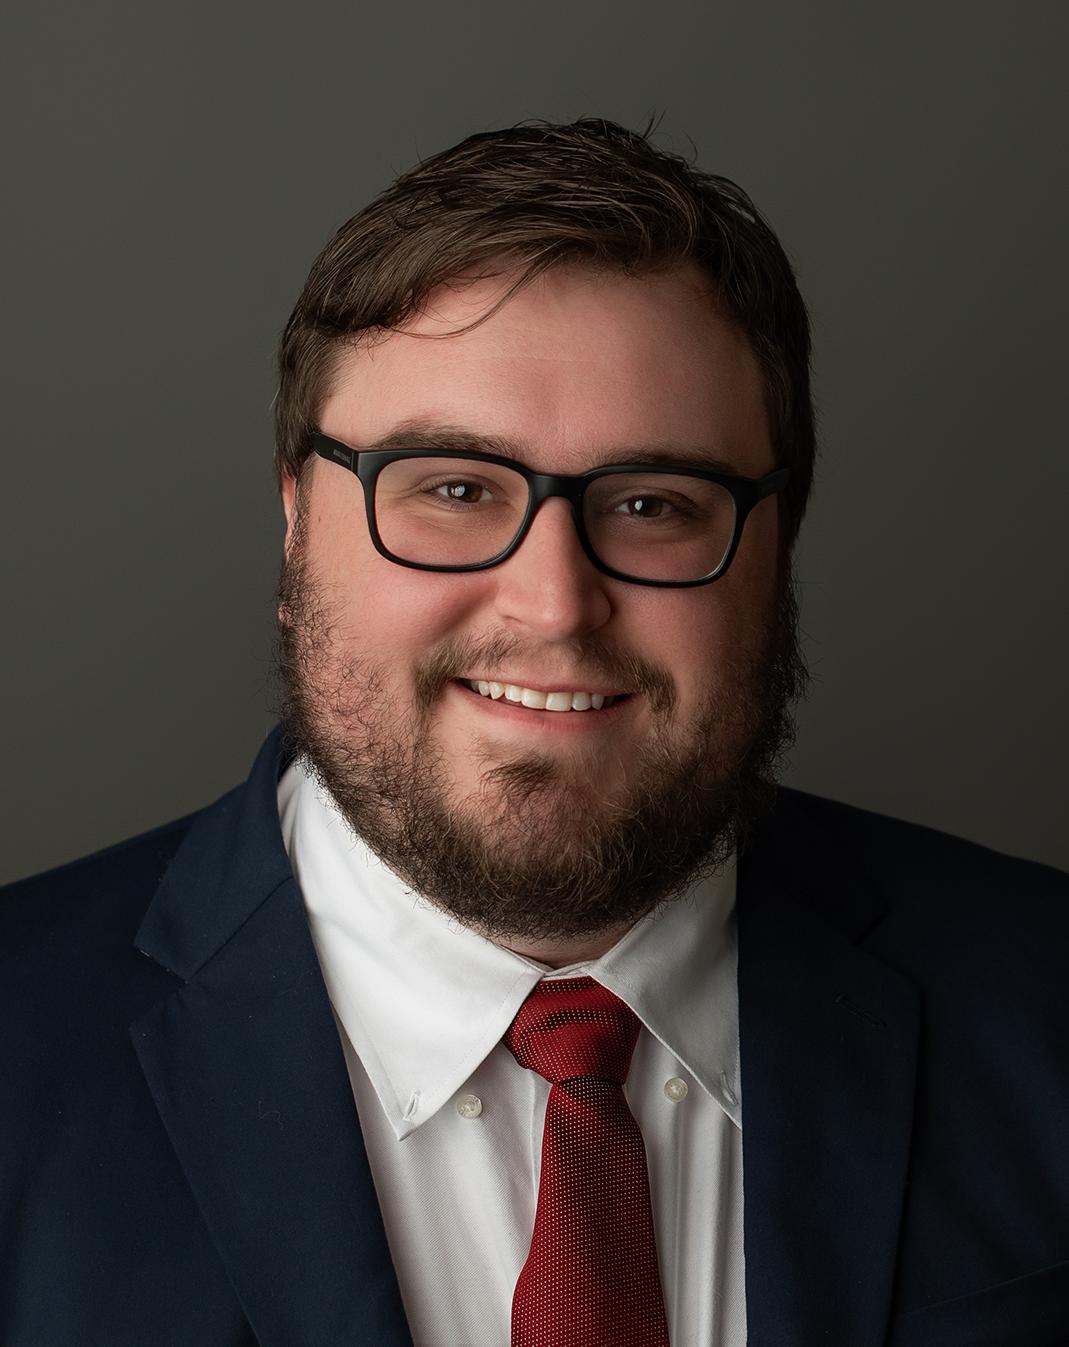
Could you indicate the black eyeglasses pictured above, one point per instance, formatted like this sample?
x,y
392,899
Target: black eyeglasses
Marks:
x,y
684,532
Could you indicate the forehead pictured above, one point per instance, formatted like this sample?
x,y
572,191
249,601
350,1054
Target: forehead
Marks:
x,y
573,365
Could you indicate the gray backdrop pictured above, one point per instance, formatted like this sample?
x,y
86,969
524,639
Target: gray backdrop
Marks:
x,y
176,168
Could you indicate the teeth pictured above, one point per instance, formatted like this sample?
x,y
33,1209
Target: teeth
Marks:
x,y
541,701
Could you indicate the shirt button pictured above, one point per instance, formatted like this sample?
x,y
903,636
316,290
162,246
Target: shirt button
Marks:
x,y
675,1089
469,1105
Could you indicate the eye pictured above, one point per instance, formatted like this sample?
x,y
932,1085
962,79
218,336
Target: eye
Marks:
x,y
458,491
649,507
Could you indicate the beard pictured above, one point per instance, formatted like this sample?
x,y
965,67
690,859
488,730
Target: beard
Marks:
x,y
537,854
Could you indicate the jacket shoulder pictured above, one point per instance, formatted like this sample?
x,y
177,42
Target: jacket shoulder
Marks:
x,y
898,850
953,913
95,900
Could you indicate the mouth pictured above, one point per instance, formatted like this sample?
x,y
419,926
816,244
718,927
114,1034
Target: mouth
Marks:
x,y
582,715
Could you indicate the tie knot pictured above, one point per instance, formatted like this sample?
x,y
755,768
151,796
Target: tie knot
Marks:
x,y
574,1027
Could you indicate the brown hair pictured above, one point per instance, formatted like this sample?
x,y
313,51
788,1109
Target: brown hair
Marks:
x,y
543,194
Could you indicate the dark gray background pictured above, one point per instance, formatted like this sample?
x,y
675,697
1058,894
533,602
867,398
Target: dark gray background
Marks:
x,y
177,167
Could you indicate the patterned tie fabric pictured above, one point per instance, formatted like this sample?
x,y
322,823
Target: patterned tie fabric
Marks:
x,y
591,1278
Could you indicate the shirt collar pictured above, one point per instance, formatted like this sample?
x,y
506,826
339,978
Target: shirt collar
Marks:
x,y
424,1000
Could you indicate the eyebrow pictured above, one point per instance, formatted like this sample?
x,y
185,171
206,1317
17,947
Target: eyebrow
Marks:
x,y
422,433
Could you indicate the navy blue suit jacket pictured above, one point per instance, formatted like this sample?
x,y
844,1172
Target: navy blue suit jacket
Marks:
x,y
182,1162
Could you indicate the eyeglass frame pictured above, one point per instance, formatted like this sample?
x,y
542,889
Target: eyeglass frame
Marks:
x,y
367,464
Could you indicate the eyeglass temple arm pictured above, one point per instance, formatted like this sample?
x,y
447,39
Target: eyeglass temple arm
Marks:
x,y
775,481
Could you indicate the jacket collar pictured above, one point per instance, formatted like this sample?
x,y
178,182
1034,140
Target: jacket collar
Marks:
x,y
230,861
245,1064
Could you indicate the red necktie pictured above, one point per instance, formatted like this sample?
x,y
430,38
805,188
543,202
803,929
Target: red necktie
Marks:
x,y
591,1278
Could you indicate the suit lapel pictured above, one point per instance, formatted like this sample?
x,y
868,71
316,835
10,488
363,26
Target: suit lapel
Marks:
x,y
828,1050
246,1068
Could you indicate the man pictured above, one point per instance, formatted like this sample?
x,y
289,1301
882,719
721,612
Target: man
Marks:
x,y
459,1021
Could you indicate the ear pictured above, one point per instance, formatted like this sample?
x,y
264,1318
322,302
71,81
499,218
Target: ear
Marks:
x,y
289,505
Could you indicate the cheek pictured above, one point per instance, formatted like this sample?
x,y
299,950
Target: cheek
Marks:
x,y
691,646
370,593
395,615
713,636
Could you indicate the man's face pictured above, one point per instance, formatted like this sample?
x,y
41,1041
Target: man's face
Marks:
x,y
537,825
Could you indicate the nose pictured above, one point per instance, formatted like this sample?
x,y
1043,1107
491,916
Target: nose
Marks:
x,y
549,584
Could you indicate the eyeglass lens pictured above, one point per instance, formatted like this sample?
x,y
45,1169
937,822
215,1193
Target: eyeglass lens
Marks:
x,y
456,512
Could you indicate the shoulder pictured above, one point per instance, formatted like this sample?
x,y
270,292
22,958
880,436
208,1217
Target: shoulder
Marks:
x,y
952,911
898,853
66,934
71,980
93,890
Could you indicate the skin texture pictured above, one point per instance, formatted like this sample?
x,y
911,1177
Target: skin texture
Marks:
x,y
552,844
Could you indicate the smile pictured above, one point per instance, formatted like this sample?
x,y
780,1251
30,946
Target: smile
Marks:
x,y
549,717
536,700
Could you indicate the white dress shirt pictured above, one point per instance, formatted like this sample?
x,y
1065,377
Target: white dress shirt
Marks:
x,y
453,1124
